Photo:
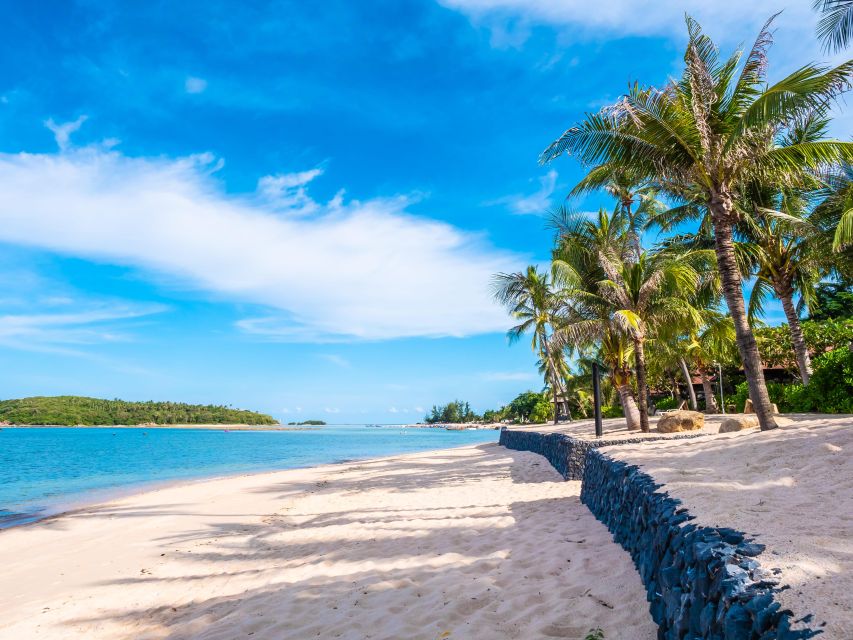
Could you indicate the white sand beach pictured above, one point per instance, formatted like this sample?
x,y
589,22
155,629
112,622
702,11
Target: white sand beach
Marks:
x,y
473,542
792,488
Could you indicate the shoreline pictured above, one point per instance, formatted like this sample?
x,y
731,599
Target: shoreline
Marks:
x,y
445,543
104,497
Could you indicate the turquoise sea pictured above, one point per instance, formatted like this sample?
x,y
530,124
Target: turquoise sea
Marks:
x,y
44,471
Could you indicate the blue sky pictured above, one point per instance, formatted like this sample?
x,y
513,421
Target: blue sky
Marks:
x,y
296,207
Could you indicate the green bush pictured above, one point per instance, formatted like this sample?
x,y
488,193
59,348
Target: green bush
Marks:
x,y
665,404
611,411
830,389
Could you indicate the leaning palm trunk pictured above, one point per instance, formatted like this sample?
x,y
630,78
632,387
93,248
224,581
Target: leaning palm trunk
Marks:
x,y
731,281
642,389
555,379
691,393
804,363
710,398
629,407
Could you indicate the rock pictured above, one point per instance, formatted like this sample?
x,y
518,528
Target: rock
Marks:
x,y
748,408
674,421
738,423
832,448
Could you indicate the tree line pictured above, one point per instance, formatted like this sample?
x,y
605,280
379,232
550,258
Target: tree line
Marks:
x,y
77,410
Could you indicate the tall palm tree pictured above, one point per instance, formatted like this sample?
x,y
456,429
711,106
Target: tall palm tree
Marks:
x,y
706,136
615,352
836,23
642,295
531,301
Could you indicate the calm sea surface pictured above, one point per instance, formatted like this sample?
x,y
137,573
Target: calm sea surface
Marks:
x,y
45,471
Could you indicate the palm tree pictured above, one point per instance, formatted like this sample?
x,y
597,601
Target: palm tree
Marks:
x,y
703,138
714,342
531,300
836,23
615,352
628,190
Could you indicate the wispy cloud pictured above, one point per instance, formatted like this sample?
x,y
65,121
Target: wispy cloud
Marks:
x,y
332,410
195,85
62,131
537,203
326,277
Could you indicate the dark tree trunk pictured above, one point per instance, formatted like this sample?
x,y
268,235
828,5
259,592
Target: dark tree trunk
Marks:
x,y
804,362
733,293
710,397
691,393
642,389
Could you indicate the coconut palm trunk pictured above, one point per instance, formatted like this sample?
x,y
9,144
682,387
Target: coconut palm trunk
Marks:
x,y
691,393
555,384
710,398
731,280
642,388
804,362
629,406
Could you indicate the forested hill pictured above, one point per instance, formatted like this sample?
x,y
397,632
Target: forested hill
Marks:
x,y
77,410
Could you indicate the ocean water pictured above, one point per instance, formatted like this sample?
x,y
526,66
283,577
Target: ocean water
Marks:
x,y
47,471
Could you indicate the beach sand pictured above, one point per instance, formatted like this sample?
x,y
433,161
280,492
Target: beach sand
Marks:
x,y
473,542
791,488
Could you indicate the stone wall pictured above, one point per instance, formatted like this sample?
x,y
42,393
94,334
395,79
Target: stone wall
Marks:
x,y
701,582
565,453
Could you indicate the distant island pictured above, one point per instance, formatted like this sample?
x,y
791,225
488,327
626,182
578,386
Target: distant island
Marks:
x,y
78,410
311,423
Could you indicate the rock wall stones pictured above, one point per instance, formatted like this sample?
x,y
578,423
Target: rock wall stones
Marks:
x,y
702,583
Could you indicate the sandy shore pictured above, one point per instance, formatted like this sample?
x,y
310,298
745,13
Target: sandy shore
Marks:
x,y
792,488
473,542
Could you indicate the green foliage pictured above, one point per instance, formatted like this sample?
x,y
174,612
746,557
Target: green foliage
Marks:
x,y
530,406
776,347
313,423
832,300
665,404
612,411
77,410
829,391
595,634
454,411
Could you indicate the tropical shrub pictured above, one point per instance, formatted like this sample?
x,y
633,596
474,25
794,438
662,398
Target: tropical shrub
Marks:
x,y
830,389
665,404
776,347
612,411
454,411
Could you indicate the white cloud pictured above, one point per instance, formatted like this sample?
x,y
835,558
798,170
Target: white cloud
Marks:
x,y
287,192
54,331
506,376
393,410
62,132
332,410
537,203
419,409
358,270
729,22
195,85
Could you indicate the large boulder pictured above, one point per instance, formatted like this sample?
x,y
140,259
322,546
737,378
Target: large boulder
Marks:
x,y
674,421
738,423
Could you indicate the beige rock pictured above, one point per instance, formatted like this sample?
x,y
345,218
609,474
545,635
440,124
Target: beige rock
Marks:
x,y
674,421
738,423
748,408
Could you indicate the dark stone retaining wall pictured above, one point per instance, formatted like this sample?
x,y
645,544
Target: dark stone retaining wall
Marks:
x,y
565,453
702,583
